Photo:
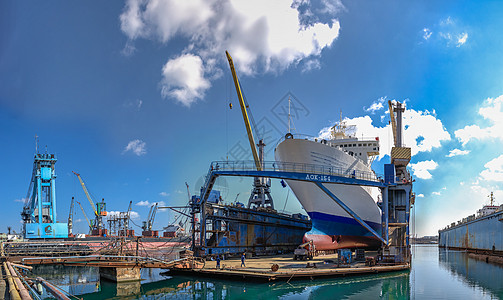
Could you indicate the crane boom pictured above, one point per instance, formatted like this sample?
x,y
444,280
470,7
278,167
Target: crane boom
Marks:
x,y
393,122
245,113
86,192
85,216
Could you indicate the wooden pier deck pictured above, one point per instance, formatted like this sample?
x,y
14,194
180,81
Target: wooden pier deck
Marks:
x,y
260,269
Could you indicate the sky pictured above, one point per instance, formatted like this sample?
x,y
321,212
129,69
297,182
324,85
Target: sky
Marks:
x,y
135,95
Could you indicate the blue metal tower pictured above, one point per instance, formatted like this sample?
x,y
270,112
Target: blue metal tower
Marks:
x,y
39,211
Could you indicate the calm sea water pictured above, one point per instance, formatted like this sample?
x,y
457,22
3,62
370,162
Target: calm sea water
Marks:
x,y
435,274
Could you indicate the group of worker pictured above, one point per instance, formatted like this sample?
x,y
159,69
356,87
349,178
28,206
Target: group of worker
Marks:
x,y
243,257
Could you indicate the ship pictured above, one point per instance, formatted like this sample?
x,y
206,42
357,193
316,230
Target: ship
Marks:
x,y
478,232
332,227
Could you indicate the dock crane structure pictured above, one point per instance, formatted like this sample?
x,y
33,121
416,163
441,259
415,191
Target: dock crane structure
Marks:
x,y
147,225
261,193
39,211
99,212
70,218
85,216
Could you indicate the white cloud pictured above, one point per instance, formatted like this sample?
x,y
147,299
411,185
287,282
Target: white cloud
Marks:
x,y
163,194
183,79
422,169
494,170
377,105
422,131
436,193
143,203
420,196
262,36
491,111
21,200
311,64
462,39
427,33
457,152
138,147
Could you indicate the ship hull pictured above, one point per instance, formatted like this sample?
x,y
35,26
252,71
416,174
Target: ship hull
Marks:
x,y
481,234
333,228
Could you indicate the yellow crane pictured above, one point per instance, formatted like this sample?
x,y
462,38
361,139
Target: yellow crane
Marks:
x,y
245,113
261,194
98,211
85,216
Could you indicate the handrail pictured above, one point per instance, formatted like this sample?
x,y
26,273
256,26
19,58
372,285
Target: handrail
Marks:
x,y
279,166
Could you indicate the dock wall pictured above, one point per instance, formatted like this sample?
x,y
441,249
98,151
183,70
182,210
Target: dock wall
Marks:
x,y
484,234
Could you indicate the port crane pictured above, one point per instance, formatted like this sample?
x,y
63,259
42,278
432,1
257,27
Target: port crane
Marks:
x,y
85,216
147,225
99,211
261,193
70,218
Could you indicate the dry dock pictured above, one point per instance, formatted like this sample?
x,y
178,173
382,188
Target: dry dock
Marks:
x,y
261,269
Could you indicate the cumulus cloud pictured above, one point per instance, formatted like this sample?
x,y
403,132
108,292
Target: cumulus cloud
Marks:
x,y
21,200
143,203
422,169
138,147
163,194
422,131
457,152
377,105
420,196
436,193
491,111
183,79
494,170
262,36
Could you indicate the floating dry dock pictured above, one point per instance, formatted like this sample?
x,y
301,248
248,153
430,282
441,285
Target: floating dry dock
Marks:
x,y
261,269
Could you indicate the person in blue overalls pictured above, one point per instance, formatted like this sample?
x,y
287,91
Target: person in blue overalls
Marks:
x,y
243,260
218,262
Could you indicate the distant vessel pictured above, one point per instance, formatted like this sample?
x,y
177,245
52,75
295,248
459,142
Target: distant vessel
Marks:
x,y
483,231
333,228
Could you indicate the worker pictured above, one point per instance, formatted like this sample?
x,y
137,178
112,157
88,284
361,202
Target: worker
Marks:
x,y
218,262
243,260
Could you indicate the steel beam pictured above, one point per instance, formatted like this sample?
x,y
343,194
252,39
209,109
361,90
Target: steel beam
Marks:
x,y
349,211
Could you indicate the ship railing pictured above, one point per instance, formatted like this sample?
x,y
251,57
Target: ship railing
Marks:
x,y
300,136
275,166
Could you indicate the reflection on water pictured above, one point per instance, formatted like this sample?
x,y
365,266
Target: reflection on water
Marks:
x,y
435,274
472,272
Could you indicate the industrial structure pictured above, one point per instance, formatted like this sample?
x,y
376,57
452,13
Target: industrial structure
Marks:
x,y
482,232
147,225
214,219
39,211
99,209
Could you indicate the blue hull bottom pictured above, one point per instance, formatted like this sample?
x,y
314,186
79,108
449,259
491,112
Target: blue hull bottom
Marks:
x,y
335,232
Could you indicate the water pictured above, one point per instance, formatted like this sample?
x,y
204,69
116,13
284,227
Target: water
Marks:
x,y
435,274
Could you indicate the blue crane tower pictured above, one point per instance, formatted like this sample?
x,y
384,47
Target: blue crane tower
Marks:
x,y
39,211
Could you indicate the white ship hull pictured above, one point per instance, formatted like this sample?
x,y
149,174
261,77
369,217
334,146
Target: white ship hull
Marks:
x,y
333,228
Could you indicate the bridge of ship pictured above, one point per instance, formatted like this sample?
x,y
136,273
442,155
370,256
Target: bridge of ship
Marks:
x,y
317,174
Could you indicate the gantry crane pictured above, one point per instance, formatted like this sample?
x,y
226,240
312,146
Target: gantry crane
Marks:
x,y
99,211
261,193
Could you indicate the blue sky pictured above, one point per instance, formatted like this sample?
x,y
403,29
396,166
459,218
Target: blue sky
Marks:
x,y
135,95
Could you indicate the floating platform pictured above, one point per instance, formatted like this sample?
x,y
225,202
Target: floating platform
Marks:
x,y
261,269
